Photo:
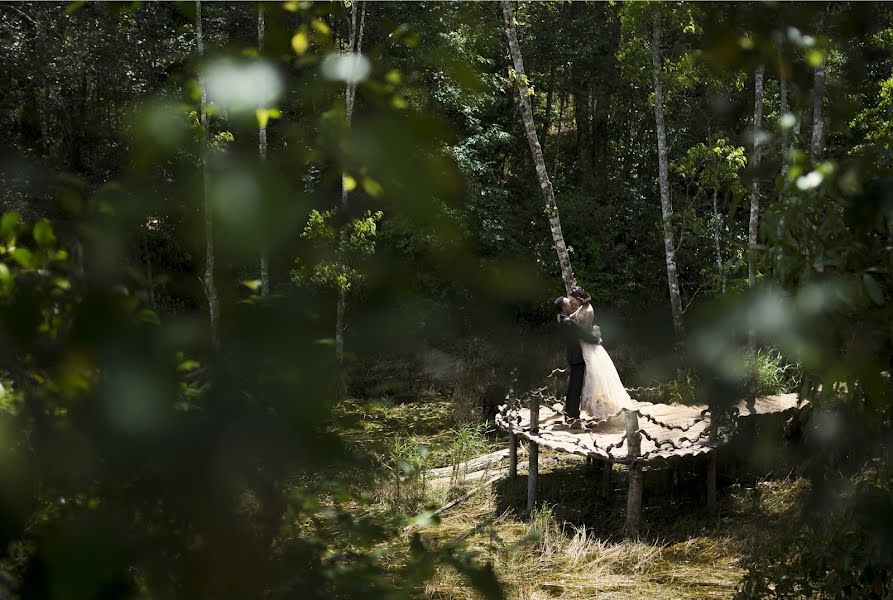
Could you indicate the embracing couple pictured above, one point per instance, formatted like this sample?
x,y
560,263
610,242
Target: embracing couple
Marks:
x,y
594,385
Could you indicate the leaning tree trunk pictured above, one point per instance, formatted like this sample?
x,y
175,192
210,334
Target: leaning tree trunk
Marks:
x,y
567,273
355,44
717,227
208,279
664,181
818,95
262,154
753,227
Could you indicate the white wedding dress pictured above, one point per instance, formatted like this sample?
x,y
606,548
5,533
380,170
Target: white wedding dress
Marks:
x,y
603,392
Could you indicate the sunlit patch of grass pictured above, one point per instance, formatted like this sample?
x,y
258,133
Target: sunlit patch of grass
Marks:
x,y
579,551
773,374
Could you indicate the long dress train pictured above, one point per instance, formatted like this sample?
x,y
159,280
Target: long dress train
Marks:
x,y
603,392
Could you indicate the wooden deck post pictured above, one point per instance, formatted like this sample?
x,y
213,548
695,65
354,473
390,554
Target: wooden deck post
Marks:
x,y
634,495
513,456
534,455
711,482
606,478
711,467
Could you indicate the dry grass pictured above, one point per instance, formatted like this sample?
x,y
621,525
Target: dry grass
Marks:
x,y
573,547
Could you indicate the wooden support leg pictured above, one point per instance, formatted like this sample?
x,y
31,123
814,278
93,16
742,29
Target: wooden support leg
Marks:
x,y
513,456
711,482
634,500
533,450
606,478
532,474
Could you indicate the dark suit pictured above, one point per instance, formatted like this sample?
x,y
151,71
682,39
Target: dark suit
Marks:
x,y
572,334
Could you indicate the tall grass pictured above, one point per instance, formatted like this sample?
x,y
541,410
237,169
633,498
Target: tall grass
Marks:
x,y
404,487
773,374
468,441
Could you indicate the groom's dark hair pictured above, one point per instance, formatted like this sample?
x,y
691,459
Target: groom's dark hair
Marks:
x,y
559,304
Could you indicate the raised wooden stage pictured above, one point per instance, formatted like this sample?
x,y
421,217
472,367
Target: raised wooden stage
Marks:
x,y
647,434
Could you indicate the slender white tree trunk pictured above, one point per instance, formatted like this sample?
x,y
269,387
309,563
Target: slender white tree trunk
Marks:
x,y
208,279
753,228
355,44
664,182
785,137
262,154
717,226
567,273
818,95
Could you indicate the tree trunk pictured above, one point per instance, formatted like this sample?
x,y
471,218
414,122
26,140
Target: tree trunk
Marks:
x,y
208,279
818,95
755,184
717,227
600,137
785,137
355,44
583,119
557,143
564,260
547,120
262,154
664,181
150,283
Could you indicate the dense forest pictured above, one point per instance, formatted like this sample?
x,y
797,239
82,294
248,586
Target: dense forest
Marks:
x,y
265,267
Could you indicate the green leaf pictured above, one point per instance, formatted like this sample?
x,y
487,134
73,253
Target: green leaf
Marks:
x,y
148,316
24,257
8,224
43,233
5,279
300,42
320,27
873,289
815,58
372,187
73,6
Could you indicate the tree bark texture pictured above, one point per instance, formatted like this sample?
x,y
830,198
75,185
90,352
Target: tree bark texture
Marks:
x,y
533,451
262,153
717,233
664,182
567,273
785,137
355,45
208,279
818,96
753,227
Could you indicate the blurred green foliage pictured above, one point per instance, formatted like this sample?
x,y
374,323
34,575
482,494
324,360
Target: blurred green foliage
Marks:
x,y
139,460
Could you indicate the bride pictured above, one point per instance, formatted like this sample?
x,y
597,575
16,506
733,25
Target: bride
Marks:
x,y
603,393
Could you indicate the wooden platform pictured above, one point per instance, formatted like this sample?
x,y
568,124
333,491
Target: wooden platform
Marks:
x,y
667,431
645,434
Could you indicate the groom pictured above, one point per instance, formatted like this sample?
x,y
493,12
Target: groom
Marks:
x,y
571,335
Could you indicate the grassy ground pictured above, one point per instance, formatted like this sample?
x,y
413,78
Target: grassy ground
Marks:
x,y
573,545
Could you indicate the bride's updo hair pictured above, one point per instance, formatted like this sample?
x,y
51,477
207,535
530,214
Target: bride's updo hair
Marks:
x,y
580,294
